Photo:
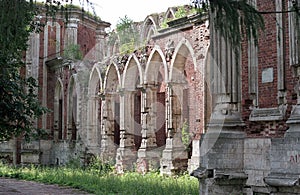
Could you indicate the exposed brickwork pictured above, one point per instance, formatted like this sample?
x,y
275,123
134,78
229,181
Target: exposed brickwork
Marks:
x,y
86,39
268,92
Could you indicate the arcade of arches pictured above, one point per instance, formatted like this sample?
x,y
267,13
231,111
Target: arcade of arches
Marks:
x,y
185,100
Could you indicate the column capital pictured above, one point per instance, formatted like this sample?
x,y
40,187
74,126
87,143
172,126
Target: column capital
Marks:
x,y
72,23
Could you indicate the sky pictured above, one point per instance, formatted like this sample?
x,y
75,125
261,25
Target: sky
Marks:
x,y
112,10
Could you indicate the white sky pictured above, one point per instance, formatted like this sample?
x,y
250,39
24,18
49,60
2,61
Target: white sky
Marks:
x,y
137,10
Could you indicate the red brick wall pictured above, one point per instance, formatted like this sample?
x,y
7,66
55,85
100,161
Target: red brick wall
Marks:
x,y
160,129
268,92
267,57
137,119
86,38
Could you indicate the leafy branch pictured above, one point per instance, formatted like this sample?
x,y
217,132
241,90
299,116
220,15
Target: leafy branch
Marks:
x,y
19,103
226,14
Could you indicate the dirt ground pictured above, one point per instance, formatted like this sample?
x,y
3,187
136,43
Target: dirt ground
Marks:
x,y
13,186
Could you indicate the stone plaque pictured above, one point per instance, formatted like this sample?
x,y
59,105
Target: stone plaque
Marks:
x,y
267,75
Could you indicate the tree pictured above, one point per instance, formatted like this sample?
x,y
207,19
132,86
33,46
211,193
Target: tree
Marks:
x,y
127,34
19,103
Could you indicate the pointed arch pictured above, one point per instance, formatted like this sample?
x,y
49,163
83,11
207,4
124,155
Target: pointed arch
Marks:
x,y
133,74
184,78
72,108
58,110
155,80
94,115
170,13
155,67
131,102
182,52
149,28
112,79
95,80
111,110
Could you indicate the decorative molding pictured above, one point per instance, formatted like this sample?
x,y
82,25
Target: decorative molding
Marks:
x,y
268,114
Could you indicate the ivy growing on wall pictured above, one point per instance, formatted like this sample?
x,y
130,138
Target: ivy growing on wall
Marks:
x,y
182,11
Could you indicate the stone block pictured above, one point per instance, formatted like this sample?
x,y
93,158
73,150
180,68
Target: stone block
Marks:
x,y
30,158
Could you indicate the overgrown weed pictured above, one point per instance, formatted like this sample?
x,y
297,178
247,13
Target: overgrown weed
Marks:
x,y
99,178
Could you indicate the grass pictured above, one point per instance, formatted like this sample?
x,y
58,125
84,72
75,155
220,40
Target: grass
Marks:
x,y
96,182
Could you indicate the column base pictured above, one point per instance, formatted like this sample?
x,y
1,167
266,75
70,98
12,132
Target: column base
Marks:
x,y
224,184
125,159
95,150
221,169
148,160
194,162
174,158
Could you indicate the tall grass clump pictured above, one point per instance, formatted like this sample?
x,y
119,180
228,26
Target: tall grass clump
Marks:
x,y
105,180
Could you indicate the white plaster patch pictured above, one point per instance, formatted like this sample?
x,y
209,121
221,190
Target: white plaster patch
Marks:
x,y
267,75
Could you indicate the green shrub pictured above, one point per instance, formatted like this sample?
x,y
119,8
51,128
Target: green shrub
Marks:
x,y
99,166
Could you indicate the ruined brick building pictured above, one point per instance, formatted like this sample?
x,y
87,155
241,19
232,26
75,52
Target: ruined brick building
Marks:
x,y
182,101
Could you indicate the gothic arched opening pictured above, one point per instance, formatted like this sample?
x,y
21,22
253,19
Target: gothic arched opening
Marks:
x,y
58,111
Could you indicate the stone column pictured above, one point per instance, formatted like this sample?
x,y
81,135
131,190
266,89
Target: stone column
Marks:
x,y
126,156
294,49
100,42
108,148
174,157
147,155
294,53
71,32
103,141
93,124
222,147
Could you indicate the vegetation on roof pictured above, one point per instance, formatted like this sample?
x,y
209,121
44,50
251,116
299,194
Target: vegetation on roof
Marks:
x,y
182,11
